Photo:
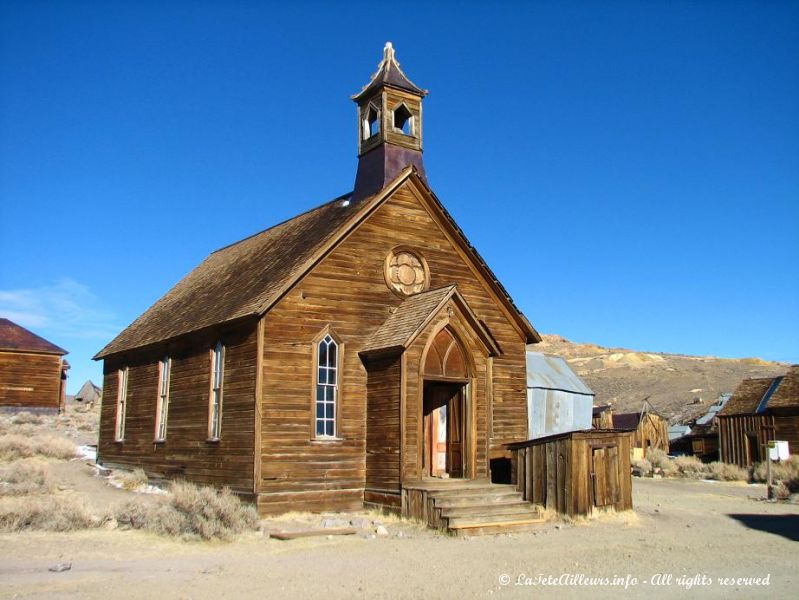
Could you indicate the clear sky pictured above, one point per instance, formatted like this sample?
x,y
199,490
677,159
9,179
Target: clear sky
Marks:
x,y
630,170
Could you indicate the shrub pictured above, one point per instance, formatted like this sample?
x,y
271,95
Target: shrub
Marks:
x,y
14,446
24,418
690,466
46,513
190,512
785,471
725,472
643,466
132,480
24,477
657,457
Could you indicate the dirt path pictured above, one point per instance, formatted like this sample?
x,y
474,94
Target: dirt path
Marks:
x,y
680,528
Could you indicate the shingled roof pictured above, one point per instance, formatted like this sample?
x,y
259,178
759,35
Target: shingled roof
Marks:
x,y
747,396
244,279
389,74
757,395
18,339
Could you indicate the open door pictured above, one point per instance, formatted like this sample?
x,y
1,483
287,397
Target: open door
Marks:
x,y
443,430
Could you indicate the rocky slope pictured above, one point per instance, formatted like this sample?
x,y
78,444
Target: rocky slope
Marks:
x,y
680,387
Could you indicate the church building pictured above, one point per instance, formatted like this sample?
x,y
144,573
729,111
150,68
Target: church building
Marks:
x,y
347,356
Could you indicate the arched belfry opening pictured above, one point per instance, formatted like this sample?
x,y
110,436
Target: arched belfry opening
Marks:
x,y
445,409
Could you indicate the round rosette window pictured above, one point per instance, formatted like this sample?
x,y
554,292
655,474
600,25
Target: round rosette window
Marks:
x,y
406,272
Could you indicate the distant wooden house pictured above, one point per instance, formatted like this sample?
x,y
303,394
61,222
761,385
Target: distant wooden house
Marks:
x,y
602,417
760,410
650,430
88,395
33,372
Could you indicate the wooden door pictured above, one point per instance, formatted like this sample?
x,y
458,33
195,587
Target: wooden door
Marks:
x,y
605,464
455,435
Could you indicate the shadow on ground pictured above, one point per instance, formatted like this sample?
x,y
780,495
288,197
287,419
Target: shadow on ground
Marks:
x,y
785,525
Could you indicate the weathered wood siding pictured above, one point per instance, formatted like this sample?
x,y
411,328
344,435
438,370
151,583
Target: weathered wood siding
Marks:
x,y
347,291
30,380
652,432
186,451
737,434
383,406
575,474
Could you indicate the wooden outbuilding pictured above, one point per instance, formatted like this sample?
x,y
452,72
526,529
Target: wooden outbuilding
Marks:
x,y
354,353
602,417
575,473
650,430
760,410
33,372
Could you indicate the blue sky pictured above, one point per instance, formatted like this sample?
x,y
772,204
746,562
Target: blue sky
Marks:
x,y
629,170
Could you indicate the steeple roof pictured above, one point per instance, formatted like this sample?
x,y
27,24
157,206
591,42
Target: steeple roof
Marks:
x,y
389,74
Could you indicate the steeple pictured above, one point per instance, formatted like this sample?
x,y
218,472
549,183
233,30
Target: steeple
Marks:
x,y
389,126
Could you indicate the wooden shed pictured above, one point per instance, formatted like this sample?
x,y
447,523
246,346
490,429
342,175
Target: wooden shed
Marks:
x,y
575,473
650,430
33,372
760,410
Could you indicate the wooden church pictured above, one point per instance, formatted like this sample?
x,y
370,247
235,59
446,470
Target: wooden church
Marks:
x,y
361,352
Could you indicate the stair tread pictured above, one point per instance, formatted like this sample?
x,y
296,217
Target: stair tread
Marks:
x,y
488,509
514,522
477,520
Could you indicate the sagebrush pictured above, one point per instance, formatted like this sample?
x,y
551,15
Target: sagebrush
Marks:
x,y
25,477
190,511
14,446
133,480
46,513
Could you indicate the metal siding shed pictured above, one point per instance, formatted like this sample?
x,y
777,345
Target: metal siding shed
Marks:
x,y
558,401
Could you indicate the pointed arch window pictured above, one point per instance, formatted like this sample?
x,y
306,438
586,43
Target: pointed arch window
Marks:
x,y
371,122
403,120
162,403
215,398
326,388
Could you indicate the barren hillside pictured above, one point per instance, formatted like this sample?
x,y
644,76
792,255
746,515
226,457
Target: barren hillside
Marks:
x,y
679,386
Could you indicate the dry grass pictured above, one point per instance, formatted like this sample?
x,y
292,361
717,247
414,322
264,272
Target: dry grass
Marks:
x,y
80,419
691,467
25,477
725,472
786,472
24,418
45,513
133,480
190,512
14,446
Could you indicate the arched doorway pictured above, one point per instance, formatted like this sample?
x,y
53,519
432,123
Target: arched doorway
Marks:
x,y
444,407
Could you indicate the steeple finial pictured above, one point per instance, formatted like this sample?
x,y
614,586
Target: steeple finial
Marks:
x,y
388,52
389,74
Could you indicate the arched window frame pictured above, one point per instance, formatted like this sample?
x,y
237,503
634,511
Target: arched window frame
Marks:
x,y
411,120
367,121
162,401
216,391
322,388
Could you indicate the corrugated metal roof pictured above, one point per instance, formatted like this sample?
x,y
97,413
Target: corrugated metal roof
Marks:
x,y
553,373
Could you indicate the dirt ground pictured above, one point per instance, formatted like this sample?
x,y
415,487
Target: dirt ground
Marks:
x,y
684,529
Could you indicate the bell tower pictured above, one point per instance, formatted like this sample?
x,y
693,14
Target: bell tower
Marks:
x,y
389,126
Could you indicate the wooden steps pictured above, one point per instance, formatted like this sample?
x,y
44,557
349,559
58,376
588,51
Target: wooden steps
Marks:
x,y
471,507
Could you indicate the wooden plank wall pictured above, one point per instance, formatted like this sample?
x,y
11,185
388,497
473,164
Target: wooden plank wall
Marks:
x,y
786,427
383,405
186,451
347,291
30,380
733,442
559,473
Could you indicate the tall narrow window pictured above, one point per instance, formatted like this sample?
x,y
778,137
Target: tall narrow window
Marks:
x,y
215,403
326,387
162,404
122,403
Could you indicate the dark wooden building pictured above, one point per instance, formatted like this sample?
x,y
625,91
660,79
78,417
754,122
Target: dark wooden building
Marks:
x,y
337,358
650,430
33,372
760,410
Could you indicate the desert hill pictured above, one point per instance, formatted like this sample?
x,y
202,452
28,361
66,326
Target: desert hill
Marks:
x,y
680,387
